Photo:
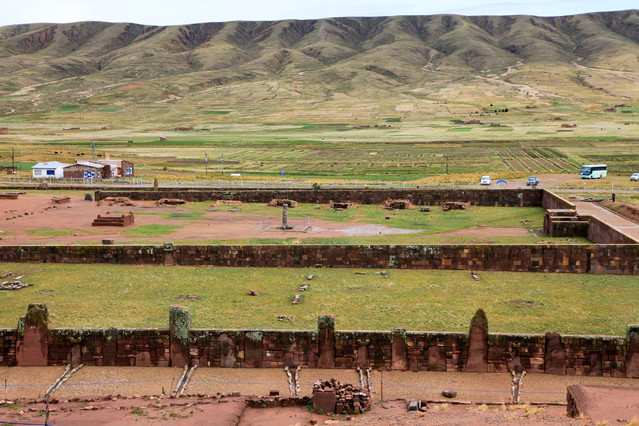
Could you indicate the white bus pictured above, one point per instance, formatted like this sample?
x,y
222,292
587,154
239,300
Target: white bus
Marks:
x,y
593,171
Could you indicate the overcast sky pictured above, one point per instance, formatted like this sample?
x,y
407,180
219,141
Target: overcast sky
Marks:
x,y
158,12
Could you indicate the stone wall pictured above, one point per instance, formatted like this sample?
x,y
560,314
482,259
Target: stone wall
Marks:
x,y
567,229
552,201
8,342
326,347
427,197
122,255
600,232
577,258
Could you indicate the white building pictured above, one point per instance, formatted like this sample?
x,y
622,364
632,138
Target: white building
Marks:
x,y
51,169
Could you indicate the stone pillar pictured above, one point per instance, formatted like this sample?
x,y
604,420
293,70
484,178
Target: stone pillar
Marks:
x,y
253,349
399,354
227,349
179,328
33,339
632,355
326,336
478,343
285,216
555,357
110,348
363,360
285,224
168,250
155,184
436,358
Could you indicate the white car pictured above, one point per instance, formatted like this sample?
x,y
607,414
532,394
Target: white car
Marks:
x,y
635,177
485,180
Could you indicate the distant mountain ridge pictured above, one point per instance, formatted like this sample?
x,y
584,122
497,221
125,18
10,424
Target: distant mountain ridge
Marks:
x,y
359,57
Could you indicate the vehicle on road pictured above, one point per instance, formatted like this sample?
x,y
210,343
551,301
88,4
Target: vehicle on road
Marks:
x,y
485,180
593,171
532,181
635,177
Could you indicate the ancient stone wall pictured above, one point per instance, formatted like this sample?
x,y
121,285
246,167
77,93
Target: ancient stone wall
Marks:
x,y
551,201
600,232
566,229
122,255
8,342
111,346
577,258
326,347
426,197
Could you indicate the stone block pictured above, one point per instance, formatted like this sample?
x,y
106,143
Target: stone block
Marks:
x,y
324,401
33,341
478,343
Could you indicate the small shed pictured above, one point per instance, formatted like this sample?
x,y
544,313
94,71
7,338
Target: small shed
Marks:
x,y
119,168
51,169
87,170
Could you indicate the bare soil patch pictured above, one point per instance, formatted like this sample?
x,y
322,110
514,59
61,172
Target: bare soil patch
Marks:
x,y
34,219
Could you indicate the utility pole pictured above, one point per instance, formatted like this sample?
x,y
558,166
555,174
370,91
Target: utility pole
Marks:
x,y
13,158
222,164
206,164
446,163
93,150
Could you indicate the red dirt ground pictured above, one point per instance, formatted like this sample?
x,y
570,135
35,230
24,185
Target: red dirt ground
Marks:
x,y
88,397
206,411
76,218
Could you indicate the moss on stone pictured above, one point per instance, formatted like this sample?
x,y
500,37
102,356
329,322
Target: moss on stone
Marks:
x,y
255,336
326,321
632,332
180,324
479,320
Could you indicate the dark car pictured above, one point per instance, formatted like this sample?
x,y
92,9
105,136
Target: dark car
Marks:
x,y
532,181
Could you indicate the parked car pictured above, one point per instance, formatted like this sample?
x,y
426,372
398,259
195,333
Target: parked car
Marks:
x,y
635,177
485,180
532,181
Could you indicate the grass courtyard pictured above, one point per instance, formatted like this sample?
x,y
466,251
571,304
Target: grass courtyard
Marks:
x,y
139,296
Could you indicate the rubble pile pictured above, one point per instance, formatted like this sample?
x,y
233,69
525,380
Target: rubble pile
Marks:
x,y
13,285
279,202
227,203
170,202
398,205
455,205
333,397
116,201
343,205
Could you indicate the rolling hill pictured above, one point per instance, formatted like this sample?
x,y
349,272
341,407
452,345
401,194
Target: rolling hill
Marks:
x,y
279,69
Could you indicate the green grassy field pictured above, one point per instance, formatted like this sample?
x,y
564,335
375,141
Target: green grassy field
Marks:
x,y
139,296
